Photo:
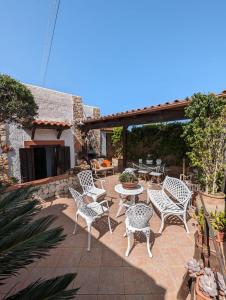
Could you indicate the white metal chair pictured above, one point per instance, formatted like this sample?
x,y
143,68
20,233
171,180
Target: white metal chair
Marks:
x,y
158,173
90,212
88,186
137,220
178,191
158,162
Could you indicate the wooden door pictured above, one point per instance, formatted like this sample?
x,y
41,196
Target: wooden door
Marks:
x,y
27,164
63,159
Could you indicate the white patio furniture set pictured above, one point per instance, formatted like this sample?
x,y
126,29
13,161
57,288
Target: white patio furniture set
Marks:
x,y
137,216
155,172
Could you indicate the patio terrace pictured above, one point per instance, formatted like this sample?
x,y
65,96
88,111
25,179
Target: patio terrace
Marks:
x,y
105,272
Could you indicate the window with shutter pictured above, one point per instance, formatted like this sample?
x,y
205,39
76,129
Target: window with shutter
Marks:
x,y
27,164
63,160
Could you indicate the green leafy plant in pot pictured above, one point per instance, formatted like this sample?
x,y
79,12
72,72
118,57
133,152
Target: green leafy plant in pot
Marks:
x,y
218,221
128,180
205,136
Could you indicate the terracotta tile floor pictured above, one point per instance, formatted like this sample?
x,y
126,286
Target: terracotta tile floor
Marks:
x,y
105,272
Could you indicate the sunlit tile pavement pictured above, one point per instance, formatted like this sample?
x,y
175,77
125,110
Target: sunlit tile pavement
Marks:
x,y
105,272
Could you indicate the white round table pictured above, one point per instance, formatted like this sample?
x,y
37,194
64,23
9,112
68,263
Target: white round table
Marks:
x,y
127,192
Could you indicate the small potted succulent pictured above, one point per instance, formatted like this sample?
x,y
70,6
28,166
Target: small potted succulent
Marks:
x,y
218,221
206,286
209,284
128,180
195,268
221,285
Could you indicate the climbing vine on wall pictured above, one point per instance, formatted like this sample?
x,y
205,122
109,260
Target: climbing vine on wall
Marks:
x,y
159,140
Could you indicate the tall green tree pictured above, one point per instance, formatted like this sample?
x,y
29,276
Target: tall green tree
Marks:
x,y
24,240
205,136
17,103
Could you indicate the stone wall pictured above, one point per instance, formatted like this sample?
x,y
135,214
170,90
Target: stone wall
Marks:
x,y
49,187
4,163
56,188
78,116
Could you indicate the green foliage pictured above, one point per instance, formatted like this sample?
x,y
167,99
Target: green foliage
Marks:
x,y
205,136
159,140
23,240
117,145
128,177
200,218
218,220
17,102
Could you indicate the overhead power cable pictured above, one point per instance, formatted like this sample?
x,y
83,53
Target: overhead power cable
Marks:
x,y
50,38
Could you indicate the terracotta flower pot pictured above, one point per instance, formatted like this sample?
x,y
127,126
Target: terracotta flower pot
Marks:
x,y
212,202
220,237
199,294
129,185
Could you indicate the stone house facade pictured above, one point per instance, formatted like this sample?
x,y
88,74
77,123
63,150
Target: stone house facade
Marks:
x,y
52,144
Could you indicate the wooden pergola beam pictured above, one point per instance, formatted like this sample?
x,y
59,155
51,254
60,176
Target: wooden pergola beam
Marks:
x,y
159,116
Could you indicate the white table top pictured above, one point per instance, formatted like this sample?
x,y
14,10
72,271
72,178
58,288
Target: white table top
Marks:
x,y
129,192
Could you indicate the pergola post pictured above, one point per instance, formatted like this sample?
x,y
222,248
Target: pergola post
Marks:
x,y
124,142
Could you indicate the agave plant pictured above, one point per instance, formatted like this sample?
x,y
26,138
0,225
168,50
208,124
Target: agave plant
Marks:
x,y
24,240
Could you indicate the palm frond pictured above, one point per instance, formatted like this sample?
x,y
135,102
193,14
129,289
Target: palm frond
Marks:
x,y
15,199
16,218
31,242
52,289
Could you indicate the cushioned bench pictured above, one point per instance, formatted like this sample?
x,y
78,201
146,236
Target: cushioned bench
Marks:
x,y
172,199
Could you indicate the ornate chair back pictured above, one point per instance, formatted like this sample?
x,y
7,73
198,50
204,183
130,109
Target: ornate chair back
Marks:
x,y
178,190
77,197
86,180
139,215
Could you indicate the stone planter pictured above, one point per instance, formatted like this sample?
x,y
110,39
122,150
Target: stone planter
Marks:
x,y
212,202
129,185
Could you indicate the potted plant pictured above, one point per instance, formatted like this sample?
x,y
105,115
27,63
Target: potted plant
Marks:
x,y
199,217
205,136
206,286
128,180
218,221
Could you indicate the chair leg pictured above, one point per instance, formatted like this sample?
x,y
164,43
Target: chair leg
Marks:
x,y
89,235
109,224
120,208
185,223
76,220
148,243
162,223
129,234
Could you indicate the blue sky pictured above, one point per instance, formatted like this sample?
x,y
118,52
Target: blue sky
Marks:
x,y
117,54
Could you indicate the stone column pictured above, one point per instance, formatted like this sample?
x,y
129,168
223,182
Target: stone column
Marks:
x,y
96,132
78,116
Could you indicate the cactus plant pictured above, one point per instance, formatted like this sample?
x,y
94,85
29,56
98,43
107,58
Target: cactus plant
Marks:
x,y
128,177
207,283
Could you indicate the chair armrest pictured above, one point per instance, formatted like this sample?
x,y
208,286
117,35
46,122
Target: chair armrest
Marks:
x,y
101,182
104,201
